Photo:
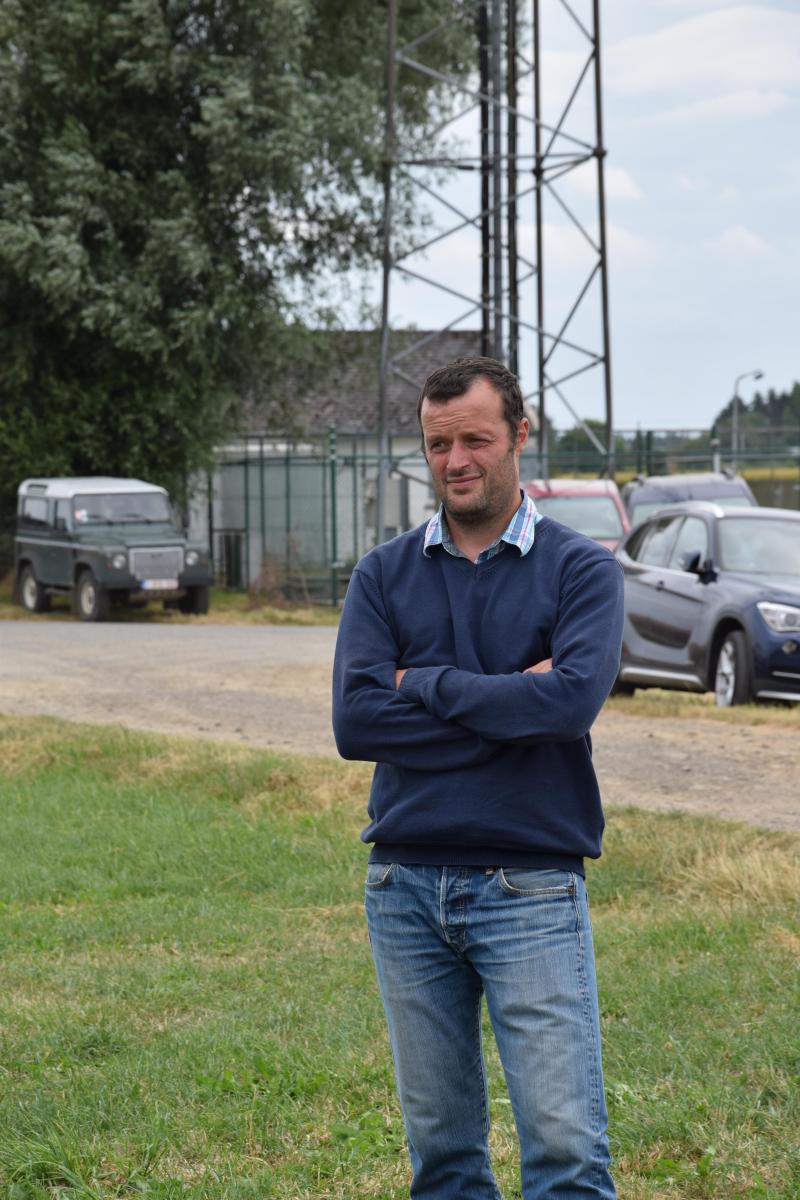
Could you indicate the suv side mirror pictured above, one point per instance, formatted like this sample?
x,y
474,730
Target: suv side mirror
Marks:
x,y
690,561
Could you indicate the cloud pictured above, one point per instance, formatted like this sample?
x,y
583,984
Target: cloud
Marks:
x,y
738,244
565,248
689,183
734,106
790,184
628,250
693,185
710,52
619,183
704,4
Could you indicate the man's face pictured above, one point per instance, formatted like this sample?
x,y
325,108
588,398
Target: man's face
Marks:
x,y
472,458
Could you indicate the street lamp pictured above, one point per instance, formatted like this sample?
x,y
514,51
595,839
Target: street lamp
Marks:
x,y
735,421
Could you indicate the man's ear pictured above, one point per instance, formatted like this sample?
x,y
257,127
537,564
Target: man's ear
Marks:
x,y
522,435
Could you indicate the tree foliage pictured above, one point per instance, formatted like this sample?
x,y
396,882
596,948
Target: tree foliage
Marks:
x,y
169,169
577,441
776,410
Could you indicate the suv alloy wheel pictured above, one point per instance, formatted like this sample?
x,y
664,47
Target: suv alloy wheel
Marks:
x,y
732,677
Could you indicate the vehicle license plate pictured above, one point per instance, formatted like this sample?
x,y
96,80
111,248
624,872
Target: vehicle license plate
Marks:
x,y
159,585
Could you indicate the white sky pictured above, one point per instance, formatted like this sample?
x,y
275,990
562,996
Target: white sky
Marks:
x,y
701,108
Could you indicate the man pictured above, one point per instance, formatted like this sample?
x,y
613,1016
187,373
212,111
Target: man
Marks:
x,y
474,653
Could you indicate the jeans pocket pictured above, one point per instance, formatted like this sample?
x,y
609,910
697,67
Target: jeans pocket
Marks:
x,y
378,875
536,881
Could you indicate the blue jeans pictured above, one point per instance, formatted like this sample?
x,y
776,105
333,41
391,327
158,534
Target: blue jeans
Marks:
x,y
441,938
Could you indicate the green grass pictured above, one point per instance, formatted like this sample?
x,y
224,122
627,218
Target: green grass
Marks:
x,y
659,702
187,1004
228,607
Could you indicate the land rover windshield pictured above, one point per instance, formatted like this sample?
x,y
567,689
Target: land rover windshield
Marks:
x,y
119,508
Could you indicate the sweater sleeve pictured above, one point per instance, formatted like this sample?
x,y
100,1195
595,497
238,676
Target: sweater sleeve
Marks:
x,y
371,720
558,705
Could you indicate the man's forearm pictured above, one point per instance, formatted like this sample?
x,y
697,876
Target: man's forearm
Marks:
x,y
371,720
537,669
540,703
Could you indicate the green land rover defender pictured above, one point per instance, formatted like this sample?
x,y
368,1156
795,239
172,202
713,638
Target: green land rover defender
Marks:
x,y
104,541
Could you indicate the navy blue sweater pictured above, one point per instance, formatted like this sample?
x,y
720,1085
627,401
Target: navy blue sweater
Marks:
x,y
478,763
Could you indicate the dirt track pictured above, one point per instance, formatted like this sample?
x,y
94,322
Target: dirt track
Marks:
x,y
270,686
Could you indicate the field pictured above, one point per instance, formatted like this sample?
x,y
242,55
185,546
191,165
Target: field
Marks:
x,y
188,1011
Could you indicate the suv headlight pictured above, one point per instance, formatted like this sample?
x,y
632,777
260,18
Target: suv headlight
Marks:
x,y
192,558
781,618
119,561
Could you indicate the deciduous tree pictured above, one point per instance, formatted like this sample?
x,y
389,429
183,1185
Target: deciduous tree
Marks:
x,y
169,169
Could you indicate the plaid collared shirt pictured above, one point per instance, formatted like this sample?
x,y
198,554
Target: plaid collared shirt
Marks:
x,y
519,532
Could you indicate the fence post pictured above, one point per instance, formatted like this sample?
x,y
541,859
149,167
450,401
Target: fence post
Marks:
x,y
247,510
287,508
210,521
354,470
262,504
334,530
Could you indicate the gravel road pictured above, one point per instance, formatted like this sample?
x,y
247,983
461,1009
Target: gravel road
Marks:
x,y
270,686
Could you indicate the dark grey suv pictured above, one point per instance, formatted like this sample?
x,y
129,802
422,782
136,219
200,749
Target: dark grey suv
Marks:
x,y
712,602
102,541
645,495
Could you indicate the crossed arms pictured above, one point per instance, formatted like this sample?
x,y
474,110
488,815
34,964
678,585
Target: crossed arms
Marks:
x,y
383,712
545,665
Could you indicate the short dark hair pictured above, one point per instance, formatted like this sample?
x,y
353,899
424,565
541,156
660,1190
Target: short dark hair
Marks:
x,y
457,377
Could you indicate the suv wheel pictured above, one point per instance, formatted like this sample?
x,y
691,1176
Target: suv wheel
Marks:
x,y
732,679
32,595
195,601
91,601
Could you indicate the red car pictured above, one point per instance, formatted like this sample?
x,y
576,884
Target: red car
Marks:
x,y
592,506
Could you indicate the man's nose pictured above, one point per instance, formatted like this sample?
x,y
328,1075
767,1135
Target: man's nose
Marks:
x,y
459,457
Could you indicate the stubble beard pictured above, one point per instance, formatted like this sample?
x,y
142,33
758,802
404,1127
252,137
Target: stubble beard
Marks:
x,y
494,500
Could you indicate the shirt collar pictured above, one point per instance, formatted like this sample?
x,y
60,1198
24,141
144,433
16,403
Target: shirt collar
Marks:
x,y
519,532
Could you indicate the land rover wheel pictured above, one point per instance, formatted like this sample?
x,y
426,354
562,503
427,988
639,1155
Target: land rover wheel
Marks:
x,y
732,679
195,601
32,595
92,602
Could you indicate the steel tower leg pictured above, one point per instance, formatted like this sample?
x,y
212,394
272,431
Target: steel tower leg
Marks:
x,y
388,172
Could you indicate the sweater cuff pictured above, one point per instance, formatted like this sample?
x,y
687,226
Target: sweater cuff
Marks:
x,y
417,682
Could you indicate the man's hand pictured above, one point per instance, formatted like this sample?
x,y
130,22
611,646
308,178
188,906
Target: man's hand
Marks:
x,y
398,675
539,668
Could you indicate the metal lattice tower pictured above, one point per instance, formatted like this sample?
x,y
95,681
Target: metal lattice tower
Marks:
x,y
518,161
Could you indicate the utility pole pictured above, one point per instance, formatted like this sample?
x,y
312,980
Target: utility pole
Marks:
x,y
388,174
600,152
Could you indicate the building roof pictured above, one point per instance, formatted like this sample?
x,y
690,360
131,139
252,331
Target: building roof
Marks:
x,y
341,389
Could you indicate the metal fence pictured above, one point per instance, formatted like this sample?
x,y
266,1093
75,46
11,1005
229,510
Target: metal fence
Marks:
x,y
290,518
293,518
